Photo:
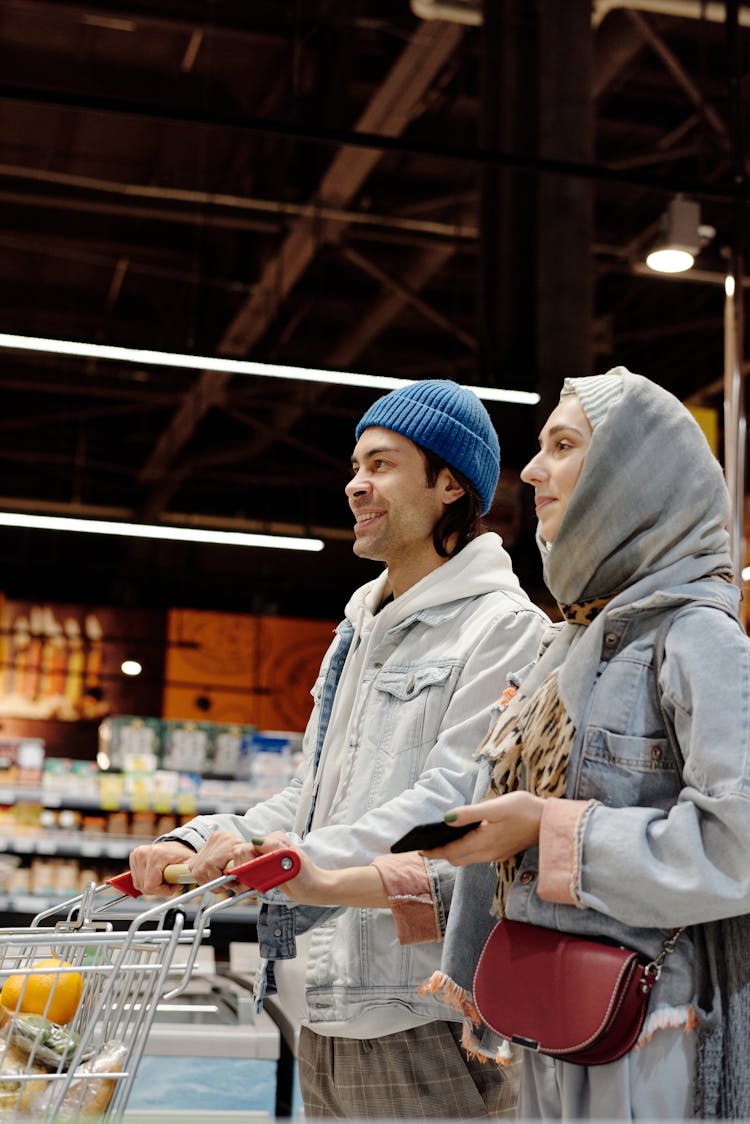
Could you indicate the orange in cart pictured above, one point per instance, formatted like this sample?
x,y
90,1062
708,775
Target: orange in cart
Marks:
x,y
54,994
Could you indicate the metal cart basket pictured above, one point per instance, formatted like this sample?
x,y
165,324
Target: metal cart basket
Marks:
x,y
79,994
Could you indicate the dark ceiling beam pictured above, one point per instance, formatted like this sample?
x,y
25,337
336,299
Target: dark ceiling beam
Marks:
x,y
86,205
617,45
381,143
383,311
83,389
396,102
683,79
409,297
648,159
144,256
128,17
62,462
238,452
61,417
213,202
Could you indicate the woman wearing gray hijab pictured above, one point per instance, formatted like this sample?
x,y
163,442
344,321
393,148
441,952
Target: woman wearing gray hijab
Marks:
x,y
615,799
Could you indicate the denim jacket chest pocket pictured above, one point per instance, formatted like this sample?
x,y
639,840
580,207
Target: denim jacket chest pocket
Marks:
x,y
625,755
624,770
410,703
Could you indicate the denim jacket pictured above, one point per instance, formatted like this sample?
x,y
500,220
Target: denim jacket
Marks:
x,y
423,704
664,842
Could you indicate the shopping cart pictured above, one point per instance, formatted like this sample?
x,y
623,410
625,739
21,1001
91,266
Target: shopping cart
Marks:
x,y
79,994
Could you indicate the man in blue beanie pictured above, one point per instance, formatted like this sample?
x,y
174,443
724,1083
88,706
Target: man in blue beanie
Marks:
x,y
403,696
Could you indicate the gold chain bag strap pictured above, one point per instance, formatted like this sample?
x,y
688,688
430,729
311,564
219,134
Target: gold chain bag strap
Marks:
x,y
580,1000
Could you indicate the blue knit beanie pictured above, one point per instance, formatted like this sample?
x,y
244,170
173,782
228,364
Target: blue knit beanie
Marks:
x,y
448,420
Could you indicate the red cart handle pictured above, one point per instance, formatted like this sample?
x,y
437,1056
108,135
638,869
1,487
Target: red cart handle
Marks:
x,y
259,874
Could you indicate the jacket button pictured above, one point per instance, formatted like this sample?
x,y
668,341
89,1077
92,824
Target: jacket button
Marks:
x,y
611,639
527,876
277,932
656,754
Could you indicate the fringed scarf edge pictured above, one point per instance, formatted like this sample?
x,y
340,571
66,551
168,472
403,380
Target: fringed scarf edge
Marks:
x,y
459,999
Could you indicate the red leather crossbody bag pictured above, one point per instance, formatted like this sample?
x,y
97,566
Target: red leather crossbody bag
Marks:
x,y
580,1000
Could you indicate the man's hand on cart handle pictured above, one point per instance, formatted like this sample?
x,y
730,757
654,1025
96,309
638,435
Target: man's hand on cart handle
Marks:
x,y
258,874
147,865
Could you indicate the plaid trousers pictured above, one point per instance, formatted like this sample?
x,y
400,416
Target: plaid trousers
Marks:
x,y
416,1074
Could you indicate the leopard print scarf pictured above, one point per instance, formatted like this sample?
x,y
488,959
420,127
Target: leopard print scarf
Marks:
x,y
529,745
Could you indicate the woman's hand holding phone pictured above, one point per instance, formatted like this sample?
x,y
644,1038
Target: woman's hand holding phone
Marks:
x,y
488,832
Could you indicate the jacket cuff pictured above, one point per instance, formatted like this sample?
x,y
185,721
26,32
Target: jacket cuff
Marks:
x,y
560,835
187,835
407,883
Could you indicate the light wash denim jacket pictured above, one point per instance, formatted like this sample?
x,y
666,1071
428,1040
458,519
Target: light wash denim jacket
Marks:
x,y
663,845
423,705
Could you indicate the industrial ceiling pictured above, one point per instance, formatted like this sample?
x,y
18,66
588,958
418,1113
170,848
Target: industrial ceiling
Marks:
x,y
425,190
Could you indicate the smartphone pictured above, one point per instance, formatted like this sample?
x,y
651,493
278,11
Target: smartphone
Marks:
x,y
425,836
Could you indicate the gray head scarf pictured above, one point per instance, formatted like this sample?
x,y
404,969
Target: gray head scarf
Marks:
x,y
649,512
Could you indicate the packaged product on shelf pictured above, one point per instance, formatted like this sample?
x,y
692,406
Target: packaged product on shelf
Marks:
x,y
69,819
65,876
271,764
118,823
16,879
186,746
94,825
7,818
164,787
21,761
29,761
188,791
226,748
143,825
84,779
111,790
164,825
41,877
138,776
66,776
124,735
26,817
247,750
48,819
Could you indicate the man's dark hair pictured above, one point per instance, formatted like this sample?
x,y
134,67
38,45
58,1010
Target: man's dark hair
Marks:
x,y
463,517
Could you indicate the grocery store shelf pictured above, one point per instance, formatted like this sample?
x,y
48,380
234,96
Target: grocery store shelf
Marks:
x,y
56,843
32,904
63,798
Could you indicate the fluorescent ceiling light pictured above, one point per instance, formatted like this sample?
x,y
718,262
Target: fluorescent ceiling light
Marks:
x,y
239,366
151,531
